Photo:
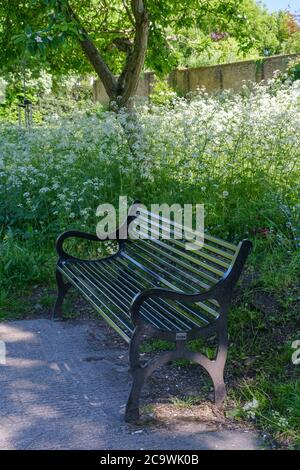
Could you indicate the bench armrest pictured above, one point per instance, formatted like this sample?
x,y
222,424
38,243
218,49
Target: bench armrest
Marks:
x,y
170,294
221,291
73,234
89,236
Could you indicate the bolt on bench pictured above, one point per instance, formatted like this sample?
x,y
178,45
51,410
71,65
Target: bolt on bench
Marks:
x,y
156,287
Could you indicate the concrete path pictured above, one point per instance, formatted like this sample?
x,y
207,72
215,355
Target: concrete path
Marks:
x,y
64,386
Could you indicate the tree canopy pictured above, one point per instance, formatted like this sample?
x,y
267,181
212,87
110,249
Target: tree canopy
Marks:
x,y
120,37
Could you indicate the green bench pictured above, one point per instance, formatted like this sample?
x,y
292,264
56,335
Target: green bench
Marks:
x,y
156,288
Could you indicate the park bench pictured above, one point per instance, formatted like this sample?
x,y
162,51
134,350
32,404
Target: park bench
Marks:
x,y
157,288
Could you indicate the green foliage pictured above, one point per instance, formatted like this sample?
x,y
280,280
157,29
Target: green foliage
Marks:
x,y
49,95
41,35
19,268
157,345
196,49
291,74
237,154
162,93
263,34
11,306
293,71
273,403
292,44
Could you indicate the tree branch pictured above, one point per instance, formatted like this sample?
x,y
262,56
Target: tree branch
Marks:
x,y
101,68
129,78
112,31
131,18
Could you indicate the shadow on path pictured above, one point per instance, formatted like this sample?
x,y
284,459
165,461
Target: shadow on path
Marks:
x,y
62,387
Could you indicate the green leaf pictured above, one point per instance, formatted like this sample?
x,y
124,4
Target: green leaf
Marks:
x,y
234,413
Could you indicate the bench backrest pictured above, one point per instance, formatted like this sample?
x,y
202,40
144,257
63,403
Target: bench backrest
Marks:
x,y
176,266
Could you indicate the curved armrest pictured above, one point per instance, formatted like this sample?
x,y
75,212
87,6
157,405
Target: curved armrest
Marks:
x,y
155,292
76,234
89,236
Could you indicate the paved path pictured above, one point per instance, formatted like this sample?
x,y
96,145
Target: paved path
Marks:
x,y
64,386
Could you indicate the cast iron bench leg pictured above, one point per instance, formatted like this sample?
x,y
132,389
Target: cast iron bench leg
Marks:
x,y
132,412
215,368
218,375
62,289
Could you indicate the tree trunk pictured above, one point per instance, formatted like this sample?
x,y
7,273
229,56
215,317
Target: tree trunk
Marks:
x,y
108,79
130,76
121,91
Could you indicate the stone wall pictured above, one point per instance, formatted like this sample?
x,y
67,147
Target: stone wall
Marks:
x,y
214,78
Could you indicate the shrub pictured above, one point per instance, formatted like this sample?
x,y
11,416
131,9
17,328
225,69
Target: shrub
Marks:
x,y
293,71
237,154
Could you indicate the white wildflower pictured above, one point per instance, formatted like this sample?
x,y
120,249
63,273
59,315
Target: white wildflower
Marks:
x,y
251,405
44,190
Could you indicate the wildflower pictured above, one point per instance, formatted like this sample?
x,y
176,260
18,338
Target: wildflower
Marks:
x,y
281,421
38,39
44,190
251,405
225,193
250,408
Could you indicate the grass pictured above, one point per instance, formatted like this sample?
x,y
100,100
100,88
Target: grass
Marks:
x,y
11,307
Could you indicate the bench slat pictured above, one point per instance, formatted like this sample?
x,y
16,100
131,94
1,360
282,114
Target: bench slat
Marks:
x,y
208,278
154,317
186,274
158,263
165,307
125,330
162,314
109,291
215,240
165,282
166,244
180,243
203,317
